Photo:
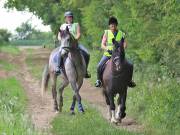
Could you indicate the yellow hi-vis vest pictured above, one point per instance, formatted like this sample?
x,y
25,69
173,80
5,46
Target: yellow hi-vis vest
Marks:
x,y
109,43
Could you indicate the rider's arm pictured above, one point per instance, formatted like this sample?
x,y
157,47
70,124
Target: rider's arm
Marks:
x,y
59,36
125,44
78,32
124,41
103,43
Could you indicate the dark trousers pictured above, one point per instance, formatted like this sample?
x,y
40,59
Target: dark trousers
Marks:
x,y
85,54
102,62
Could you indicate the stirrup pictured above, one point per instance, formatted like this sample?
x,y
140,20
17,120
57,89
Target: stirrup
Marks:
x,y
98,83
58,70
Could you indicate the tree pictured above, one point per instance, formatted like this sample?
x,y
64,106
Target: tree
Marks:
x,y
24,31
4,35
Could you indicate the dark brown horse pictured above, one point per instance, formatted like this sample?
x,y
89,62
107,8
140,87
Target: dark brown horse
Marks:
x,y
117,74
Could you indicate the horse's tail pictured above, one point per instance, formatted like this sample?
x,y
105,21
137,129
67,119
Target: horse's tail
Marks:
x,y
45,79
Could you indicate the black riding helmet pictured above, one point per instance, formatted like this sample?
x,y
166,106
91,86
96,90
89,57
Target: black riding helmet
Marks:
x,y
113,20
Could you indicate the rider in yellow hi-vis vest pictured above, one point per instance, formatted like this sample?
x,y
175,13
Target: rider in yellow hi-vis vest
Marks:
x,y
107,46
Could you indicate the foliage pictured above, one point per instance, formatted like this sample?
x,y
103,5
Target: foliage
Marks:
x,y
155,102
4,36
24,31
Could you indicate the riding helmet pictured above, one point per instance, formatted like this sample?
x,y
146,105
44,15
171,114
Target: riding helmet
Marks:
x,y
68,13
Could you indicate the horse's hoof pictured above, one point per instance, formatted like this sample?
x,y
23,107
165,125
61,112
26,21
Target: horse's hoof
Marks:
x,y
56,112
119,120
123,115
72,113
82,111
114,121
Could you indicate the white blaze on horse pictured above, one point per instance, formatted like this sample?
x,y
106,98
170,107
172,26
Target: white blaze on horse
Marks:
x,y
73,73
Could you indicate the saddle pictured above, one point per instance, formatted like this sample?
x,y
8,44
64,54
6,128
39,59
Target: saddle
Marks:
x,y
56,57
103,68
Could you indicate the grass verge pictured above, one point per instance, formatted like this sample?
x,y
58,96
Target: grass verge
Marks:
x,y
6,66
9,49
13,120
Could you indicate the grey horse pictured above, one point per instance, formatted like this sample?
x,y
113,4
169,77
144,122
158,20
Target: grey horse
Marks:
x,y
73,73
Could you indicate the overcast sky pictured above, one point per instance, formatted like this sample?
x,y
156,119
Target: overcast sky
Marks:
x,y
11,19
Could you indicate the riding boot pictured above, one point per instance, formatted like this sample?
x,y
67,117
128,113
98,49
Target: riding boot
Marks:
x,y
98,81
58,68
132,84
87,58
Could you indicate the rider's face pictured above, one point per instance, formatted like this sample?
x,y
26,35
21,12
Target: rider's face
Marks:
x,y
69,19
113,27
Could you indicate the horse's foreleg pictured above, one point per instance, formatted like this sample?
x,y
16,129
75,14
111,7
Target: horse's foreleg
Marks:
x,y
54,92
118,108
64,84
123,104
112,107
121,101
73,104
78,97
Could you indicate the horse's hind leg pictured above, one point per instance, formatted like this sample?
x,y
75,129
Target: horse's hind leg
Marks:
x,y
54,92
108,105
64,84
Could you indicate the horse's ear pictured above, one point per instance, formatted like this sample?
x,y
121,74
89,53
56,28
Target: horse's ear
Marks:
x,y
115,43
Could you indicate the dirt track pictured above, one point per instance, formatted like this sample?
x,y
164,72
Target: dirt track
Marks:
x,y
40,110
